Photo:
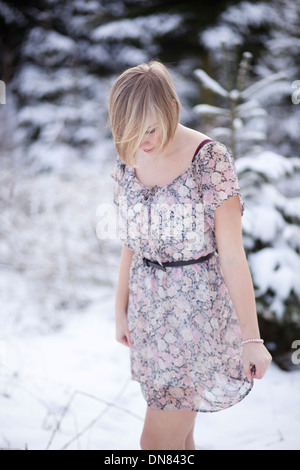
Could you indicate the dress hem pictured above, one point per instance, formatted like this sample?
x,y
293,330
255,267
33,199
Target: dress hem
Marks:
x,y
199,410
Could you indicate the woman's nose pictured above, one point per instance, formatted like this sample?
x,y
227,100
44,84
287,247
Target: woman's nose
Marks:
x,y
146,140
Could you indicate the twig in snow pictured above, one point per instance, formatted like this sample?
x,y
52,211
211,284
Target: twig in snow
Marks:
x,y
109,405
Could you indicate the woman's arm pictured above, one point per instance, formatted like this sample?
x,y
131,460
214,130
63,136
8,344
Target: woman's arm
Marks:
x,y
235,269
122,295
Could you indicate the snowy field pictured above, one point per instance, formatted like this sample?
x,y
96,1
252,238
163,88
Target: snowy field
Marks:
x,y
71,389
64,380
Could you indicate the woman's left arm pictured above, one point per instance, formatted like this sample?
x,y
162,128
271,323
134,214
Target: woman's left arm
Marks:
x,y
237,276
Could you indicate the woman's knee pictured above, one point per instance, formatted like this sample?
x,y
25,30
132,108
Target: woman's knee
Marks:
x,y
166,430
153,441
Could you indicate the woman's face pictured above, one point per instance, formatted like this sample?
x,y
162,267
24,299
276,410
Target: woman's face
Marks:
x,y
151,140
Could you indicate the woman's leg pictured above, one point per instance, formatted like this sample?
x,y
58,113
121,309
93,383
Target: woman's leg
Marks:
x,y
189,442
166,429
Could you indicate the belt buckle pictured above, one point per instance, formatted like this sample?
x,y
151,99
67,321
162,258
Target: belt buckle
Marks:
x,y
161,267
151,264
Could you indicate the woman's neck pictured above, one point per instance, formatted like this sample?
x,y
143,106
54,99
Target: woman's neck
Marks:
x,y
176,143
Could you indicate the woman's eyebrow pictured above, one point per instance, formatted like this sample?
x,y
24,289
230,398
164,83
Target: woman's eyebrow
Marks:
x,y
151,127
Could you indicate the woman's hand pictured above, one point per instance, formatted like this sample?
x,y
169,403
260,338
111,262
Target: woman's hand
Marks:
x,y
255,354
122,331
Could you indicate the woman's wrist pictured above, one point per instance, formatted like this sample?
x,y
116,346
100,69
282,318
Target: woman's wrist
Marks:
x,y
120,313
250,327
252,341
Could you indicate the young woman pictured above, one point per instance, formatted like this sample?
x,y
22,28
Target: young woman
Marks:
x,y
185,301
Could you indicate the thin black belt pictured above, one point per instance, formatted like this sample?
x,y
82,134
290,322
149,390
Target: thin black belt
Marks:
x,y
155,264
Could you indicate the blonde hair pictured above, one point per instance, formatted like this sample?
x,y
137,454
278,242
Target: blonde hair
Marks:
x,y
141,96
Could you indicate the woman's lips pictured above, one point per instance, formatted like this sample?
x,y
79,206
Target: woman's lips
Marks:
x,y
148,150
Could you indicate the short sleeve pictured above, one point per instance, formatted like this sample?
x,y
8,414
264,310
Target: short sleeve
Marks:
x,y
219,176
118,177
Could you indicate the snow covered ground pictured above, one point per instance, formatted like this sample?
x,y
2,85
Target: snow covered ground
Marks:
x,y
71,389
64,381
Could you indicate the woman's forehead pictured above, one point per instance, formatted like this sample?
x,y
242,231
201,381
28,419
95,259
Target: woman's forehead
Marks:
x,y
152,122
152,125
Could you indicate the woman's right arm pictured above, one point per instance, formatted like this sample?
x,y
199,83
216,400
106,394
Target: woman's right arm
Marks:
x,y
122,296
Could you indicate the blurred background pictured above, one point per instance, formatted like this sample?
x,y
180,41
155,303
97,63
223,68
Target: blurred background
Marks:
x,y
64,381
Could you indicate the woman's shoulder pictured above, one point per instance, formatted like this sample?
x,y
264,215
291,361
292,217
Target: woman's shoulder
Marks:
x,y
192,136
212,154
195,139
210,148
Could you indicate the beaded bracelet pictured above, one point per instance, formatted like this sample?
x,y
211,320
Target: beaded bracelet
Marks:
x,y
253,341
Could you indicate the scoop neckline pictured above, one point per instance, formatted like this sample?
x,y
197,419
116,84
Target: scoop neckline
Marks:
x,y
200,146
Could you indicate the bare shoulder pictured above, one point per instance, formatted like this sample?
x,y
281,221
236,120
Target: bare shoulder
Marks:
x,y
194,138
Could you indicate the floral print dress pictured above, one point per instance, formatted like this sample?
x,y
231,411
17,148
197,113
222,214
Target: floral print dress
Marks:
x,y
186,352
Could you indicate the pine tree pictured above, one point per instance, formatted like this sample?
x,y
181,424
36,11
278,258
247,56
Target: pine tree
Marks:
x,y
271,31
271,222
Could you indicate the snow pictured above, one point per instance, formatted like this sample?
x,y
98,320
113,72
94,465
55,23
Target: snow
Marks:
x,y
71,389
65,382
213,37
236,22
52,41
270,164
247,13
11,15
89,6
291,234
130,55
263,222
143,28
208,110
210,84
35,83
220,133
281,44
276,269
251,135
269,85
251,108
